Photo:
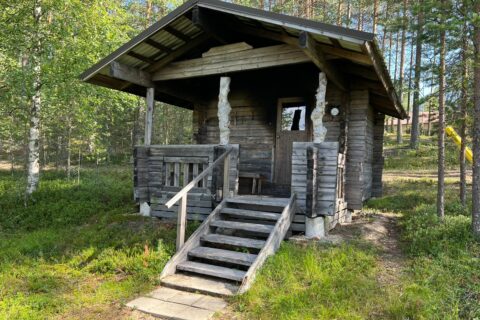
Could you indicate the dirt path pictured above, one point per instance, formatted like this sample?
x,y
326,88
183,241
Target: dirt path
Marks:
x,y
382,231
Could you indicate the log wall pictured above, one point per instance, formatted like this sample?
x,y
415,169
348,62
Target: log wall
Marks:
x,y
364,159
378,160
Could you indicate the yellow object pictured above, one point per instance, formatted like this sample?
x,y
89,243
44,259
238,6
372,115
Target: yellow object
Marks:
x,y
458,140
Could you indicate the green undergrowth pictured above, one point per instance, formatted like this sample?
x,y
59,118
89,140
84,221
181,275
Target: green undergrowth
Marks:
x,y
442,280
76,250
401,157
441,268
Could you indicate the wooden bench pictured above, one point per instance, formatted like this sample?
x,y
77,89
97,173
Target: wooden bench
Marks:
x,y
256,181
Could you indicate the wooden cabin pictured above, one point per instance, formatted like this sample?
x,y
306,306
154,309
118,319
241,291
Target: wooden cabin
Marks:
x,y
260,167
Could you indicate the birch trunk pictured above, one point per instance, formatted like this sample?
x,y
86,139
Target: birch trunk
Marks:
x,y
33,173
69,148
476,133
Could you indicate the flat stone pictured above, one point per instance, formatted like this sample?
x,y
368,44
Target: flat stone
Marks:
x,y
186,298
211,303
169,310
163,293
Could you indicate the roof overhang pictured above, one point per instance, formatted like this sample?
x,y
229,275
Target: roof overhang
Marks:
x,y
181,31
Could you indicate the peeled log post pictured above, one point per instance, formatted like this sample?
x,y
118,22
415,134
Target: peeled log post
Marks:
x,y
150,101
319,130
224,109
315,225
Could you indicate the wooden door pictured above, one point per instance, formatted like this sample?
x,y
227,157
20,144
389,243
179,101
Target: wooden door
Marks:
x,y
292,125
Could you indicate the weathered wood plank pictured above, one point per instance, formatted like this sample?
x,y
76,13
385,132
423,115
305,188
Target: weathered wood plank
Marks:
x,y
238,61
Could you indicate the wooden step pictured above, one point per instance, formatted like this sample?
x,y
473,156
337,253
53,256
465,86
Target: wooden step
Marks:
x,y
252,227
211,270
192,283
244,259
260,201
233,241
252,214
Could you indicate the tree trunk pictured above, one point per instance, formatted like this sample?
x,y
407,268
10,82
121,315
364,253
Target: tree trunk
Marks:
x,y
410,83
360,16
476,133
441,129
339,13
33,174
374,18
385,30
349,12
463,111
401,71
69,147
414,135
79,163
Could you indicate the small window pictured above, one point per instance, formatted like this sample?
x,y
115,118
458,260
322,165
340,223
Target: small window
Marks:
x,y
293,117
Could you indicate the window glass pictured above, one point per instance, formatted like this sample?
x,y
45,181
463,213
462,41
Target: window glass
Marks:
x,y
293,117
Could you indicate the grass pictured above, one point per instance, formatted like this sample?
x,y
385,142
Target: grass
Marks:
x,y
76,251
440,280
424,158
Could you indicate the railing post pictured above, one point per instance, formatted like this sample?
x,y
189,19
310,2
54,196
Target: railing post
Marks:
x,y
181,221
311,196
226,177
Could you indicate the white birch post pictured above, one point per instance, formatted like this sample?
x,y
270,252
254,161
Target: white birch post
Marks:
x,y
224,109
315,227
223,114
150,101
34,133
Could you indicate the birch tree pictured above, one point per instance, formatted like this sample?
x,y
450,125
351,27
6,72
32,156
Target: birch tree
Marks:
x,y
33,173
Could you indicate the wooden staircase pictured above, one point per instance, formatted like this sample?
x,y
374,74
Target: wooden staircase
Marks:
x,y
223,255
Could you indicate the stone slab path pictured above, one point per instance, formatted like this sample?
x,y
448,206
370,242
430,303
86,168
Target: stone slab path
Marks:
x,y
166,303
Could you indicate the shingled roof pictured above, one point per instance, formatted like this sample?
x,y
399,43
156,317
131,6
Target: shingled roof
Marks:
x,y
182,31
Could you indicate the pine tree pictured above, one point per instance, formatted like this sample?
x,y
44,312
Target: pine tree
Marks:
x,y
441,118
415,131
476,129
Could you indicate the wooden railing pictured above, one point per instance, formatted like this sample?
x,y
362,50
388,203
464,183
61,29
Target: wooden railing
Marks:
x,y
182,194
180,170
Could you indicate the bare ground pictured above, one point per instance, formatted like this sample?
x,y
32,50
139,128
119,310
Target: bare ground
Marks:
x,y
382,231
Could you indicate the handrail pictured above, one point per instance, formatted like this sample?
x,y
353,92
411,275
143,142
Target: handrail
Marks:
x,y
194,182
182,194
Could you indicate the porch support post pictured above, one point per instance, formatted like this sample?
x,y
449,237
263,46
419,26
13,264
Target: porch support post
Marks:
x,y
149,115
315,224
224,109
150,100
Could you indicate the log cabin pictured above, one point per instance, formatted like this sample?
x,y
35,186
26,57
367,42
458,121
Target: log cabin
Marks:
x,y
288,125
